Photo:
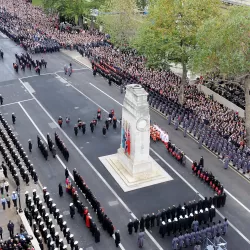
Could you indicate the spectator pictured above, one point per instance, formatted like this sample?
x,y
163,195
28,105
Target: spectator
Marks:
x,y
10,227
1,187
1,233
3,201
6,186
8,200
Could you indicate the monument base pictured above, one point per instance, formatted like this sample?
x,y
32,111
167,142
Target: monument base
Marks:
x,y
130,182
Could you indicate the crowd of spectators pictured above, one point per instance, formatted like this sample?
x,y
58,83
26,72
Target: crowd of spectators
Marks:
x,y
36,29
225,121
19,241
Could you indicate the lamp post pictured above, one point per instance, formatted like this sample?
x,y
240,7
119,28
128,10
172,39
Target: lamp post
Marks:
x,y
19,199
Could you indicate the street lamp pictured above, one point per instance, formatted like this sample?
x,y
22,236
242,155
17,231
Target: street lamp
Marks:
x,y
19,193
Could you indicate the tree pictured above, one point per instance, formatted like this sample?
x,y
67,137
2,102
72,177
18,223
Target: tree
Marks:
x,y
223,46
169,33
71,9
120,20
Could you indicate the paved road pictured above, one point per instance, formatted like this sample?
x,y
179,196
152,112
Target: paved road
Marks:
x,y
53,96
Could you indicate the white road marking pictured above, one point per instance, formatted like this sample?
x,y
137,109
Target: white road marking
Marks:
x,y
58,158
236,229
12,103
52,73
29,88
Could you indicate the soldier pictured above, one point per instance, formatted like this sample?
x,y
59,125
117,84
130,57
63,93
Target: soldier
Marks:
x,y
53,149
201,163
65,69
114,122
169,227
195,225
162,229
226,162
60,121
66,173
13,118
117,238
107,124
97,235
152,220
213,230
30,145
104,130
224,227
76,129
60,189
187,239
130,226
181,241
147,222
83,128
175,243
142,224
158,218
206,216
136,225
92,126
212,213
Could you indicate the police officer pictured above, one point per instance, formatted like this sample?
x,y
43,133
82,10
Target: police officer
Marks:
x,y
53,149
117,238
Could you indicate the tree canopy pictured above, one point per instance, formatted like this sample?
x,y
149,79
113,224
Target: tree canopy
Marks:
x,y
223,44
120,20
168,34
72,8
223,47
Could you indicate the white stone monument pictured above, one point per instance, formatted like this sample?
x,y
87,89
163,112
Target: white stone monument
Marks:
x,y
132,167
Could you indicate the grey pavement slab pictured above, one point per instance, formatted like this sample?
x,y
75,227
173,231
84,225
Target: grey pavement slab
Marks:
x,y
139,201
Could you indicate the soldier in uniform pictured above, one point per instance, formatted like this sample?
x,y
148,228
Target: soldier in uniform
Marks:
x,y
130,226
162,229
60,189
136,225
30,145
13,118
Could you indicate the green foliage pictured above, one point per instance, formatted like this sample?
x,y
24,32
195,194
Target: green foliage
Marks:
x,y
37,2
223,44
72,8
120,20
169,32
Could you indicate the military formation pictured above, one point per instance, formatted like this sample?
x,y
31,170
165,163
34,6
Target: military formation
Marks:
x,y
25,61
42,223
83,210
198,235
14,155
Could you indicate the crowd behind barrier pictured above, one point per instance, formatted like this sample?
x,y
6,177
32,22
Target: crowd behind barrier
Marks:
x,y
20,241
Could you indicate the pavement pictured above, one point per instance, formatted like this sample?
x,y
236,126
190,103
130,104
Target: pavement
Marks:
x,y
39,101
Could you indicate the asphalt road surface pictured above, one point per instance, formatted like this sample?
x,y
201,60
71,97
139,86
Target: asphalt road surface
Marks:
x,y
38,101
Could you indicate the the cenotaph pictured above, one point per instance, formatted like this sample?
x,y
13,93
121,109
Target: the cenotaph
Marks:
x,y
132,167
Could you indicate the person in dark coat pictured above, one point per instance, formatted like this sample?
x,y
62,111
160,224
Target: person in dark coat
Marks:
x,y
142,224
60,189
30,145
104,130
147,222
117,238
97,235
66,173
72,210
162,229
130,226
136,225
